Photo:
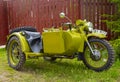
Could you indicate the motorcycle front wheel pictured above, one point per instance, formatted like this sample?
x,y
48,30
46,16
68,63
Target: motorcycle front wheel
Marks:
x,y
103,57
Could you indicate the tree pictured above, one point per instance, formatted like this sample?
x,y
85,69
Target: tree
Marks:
x,y
113,21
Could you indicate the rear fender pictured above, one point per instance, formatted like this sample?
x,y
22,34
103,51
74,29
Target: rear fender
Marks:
x,y
24,44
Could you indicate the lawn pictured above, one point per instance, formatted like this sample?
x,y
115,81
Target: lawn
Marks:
x,y
38,70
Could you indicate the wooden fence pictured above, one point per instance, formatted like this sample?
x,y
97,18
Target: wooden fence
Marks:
x,y
3,22
41,13
45,13
93,11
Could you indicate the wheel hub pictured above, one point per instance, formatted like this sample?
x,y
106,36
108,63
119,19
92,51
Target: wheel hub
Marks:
x,y
16,52
96,56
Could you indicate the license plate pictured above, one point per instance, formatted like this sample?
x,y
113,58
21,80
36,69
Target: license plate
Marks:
x,y
99,31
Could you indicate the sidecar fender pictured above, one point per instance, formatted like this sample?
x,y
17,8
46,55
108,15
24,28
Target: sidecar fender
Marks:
x,y
99,35
24,44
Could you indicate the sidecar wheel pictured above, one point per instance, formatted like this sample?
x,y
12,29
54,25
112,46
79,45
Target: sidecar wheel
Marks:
x,y
16,57
104,57
49,58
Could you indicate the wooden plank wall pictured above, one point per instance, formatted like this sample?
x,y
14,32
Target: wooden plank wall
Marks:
x,y
3,22
41,13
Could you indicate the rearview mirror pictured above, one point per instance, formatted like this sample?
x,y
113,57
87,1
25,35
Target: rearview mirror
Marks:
x,y
62,15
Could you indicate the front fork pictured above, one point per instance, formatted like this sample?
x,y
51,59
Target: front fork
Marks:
x,y
95,53
80,54
89,46
86,40
92,51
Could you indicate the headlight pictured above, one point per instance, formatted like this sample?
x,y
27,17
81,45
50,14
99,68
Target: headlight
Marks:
x,y
90,26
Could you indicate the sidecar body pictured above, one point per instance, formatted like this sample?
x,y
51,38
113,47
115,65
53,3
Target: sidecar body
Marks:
x,y
57,42
62,42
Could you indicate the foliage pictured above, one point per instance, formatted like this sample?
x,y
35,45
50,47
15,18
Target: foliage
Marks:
x,y
117,3
116,46
113,21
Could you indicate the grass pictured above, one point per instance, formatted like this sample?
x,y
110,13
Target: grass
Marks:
x,y
38,70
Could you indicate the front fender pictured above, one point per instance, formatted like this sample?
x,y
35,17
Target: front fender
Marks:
x,y
24,44
99,35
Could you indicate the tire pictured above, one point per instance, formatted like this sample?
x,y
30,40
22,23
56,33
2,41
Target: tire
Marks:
x,y
25,28
16,58
51,59
104,58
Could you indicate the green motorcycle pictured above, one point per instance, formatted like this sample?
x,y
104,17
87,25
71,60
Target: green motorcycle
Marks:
x,y
79,40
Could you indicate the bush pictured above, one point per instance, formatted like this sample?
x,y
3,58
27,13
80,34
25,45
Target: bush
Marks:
x,y
113,21
116,46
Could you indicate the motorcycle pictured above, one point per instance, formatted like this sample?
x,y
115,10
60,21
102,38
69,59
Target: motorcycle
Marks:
x,y
79,41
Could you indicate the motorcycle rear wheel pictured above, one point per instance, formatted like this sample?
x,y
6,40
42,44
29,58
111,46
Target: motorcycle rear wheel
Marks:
x,y
104,55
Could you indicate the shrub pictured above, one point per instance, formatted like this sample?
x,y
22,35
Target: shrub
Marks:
x,y
116,46
113,21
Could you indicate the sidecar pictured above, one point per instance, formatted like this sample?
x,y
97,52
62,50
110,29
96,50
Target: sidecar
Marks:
x,y
57,42
52,43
